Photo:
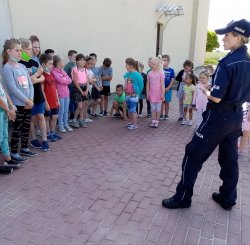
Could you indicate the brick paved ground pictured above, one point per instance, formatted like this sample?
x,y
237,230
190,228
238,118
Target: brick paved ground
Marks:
x,y
104,185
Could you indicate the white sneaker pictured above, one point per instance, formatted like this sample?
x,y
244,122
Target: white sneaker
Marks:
x,y
62,129
88,120
183,122
68,128
190,123
140,115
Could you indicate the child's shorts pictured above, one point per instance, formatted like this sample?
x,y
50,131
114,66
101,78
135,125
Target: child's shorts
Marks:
x,y
95,94
132,102
189,106
155,106
52,112
78,97
168,95
38,109
105,91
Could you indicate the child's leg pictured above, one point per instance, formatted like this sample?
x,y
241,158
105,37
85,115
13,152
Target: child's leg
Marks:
x,y
53,122
82,109
25,128
185,109
47,120
163,108
181,110
141,106
106,102
148,107
66,111
32,128
102,103
243,139
124,110
166,108
158,111
77,111
42,125
4,144
61,112
190,111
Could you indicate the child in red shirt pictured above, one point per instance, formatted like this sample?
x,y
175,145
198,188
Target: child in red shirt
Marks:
x,y
51,98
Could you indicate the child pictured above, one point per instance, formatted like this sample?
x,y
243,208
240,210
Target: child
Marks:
x,y
50,52
51,97
96,91
106,73
188,67
80,91
7,110
169,80
119,103
21,91
245,128
62,82
68,69
133,89
188,90
38,109
155,90
36,50
143,94
200,99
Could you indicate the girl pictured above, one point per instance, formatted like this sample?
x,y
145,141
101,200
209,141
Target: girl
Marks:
x,y
7,110
200,99
143,94
188,89
133,89
62,82
36,50
39,102
21,92
80,91
187,68
155,90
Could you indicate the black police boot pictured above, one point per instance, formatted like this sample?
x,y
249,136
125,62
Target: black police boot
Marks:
x,y
172,204
217,198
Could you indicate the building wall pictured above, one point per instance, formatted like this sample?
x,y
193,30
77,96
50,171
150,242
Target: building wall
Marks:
x,y
5,23
115,29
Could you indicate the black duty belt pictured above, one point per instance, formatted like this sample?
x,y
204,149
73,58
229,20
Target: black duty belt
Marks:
x,y
224,107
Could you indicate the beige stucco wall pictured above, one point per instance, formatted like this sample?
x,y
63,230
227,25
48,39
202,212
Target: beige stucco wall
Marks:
x,y
112,28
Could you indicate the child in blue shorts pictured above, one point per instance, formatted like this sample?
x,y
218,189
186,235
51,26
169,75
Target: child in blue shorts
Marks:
x,y
169,80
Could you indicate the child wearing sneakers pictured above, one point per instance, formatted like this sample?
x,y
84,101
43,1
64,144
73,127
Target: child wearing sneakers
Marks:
x,y
51,98
169,80
7,111
80,91
188,89
21,91
155,90
106,74
62,82
119,103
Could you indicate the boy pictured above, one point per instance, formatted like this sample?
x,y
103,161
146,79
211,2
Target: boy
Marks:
x,y
97,88
106,73
68,69
169,80
119,103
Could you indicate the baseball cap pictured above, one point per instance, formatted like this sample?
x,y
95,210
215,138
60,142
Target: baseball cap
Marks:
x,y
240,26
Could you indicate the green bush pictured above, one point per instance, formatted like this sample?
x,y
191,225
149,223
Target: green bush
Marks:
x,y
213,57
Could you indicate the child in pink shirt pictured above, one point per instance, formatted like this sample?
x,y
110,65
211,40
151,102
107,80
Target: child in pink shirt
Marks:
x,y
62,82
80,91
199,98
155,90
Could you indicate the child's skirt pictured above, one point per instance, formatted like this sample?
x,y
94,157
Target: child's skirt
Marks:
x,y
180,92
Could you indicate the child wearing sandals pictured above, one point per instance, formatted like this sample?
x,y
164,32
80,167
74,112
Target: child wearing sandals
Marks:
x,y
80,91
7,111
156,90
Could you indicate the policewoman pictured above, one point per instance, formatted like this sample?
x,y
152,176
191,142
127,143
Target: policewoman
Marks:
x,y
221,125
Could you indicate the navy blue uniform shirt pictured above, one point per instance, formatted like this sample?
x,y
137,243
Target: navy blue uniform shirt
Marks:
x,y
231,80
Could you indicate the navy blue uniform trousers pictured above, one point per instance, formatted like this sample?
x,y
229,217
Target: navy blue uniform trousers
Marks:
x,y
219,128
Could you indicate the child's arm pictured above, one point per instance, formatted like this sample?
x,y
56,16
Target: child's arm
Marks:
x,y
10,109
47,107
147,86
162,88
60,78
170,85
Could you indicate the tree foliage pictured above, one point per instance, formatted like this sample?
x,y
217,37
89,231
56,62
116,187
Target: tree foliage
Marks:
x,y
212,41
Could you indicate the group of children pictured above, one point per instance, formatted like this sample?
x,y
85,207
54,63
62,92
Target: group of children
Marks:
x,y
40,92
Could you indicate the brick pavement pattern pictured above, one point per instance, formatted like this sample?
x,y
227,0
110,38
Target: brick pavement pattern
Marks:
x,y
104,185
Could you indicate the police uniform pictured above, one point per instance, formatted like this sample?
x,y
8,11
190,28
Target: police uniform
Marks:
x,y
221,126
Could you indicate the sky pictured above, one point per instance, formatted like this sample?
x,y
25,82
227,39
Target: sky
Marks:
x,y
221,12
